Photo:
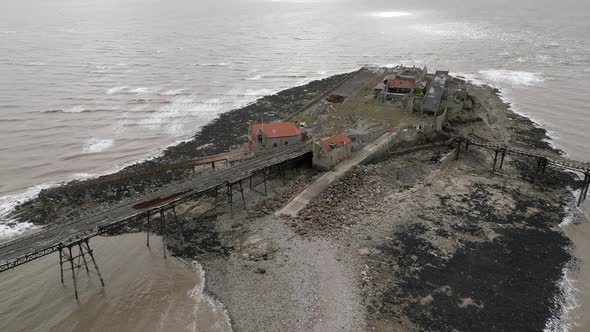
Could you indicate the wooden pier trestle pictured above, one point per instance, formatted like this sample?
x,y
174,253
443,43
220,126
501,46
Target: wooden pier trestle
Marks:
x,y
543,160
71,239
77,261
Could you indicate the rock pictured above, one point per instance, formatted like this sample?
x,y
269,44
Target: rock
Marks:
x,y
364,252
260,270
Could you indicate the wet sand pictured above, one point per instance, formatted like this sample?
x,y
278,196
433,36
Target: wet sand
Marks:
x,y
144,292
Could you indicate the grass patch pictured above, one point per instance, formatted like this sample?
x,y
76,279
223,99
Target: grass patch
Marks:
x,y
307,118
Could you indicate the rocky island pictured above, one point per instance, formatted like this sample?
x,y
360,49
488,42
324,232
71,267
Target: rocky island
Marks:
x,y
418,235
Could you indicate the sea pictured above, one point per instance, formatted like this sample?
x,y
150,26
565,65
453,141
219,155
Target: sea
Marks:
x,y
88,87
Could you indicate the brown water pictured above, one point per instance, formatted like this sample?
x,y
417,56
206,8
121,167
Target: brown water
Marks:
x,y
90,86
144,292
577,280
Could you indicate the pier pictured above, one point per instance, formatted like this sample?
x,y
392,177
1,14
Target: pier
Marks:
x,y
72,239
542,159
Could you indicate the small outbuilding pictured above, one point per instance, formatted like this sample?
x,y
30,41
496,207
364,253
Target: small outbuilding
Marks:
x,y
401,86
267,136
332,150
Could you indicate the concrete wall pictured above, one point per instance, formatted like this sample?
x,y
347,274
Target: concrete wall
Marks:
x,y
440,120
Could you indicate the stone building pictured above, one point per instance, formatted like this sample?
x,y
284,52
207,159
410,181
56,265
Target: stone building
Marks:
x,y
332,150
436,93
268,136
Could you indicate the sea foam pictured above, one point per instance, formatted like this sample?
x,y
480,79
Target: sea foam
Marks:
x,y
116,89
95,145
213,305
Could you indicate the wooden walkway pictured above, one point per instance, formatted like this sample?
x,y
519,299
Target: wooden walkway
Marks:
x,y
542,159
75,234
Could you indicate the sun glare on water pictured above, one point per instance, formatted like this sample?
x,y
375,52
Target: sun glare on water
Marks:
x,y
391,14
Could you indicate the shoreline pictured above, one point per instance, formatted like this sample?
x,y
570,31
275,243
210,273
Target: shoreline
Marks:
x,y
215,137
252,256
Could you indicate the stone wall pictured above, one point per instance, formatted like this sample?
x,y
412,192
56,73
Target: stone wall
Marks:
x,y
274,143
440,120
326,160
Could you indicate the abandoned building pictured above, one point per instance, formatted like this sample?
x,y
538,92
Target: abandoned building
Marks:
x,y
267,136
332,150
435,93
401,87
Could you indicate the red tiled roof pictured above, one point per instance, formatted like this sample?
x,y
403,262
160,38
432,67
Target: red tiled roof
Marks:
x,y
340,140
401,84
277,129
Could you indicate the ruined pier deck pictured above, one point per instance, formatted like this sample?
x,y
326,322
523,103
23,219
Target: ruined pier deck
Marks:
x,y
52,239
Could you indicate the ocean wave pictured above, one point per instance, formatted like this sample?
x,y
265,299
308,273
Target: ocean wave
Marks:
x,y
172,118
36,63
72,109
563,319
78,110
174,92
95,145
251,92
221,64
10,230
257,77
551,45
9,227
287,76
116,89
213,305
143,90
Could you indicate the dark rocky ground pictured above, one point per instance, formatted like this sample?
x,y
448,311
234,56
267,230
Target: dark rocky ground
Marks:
x,y
413,241
453,246
68,201
435,244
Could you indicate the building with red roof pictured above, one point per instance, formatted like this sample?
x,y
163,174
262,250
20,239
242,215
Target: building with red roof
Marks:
x,y
265,136
332,150
397,85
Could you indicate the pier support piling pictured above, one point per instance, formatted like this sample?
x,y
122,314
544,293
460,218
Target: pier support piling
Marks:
x,y
584,190
502,158
587,185
178,225
216,195
284,171
61,263
242,193
148,229
230,197
163,230
83,257
83,246
91,254
495,160
264,177
71,259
